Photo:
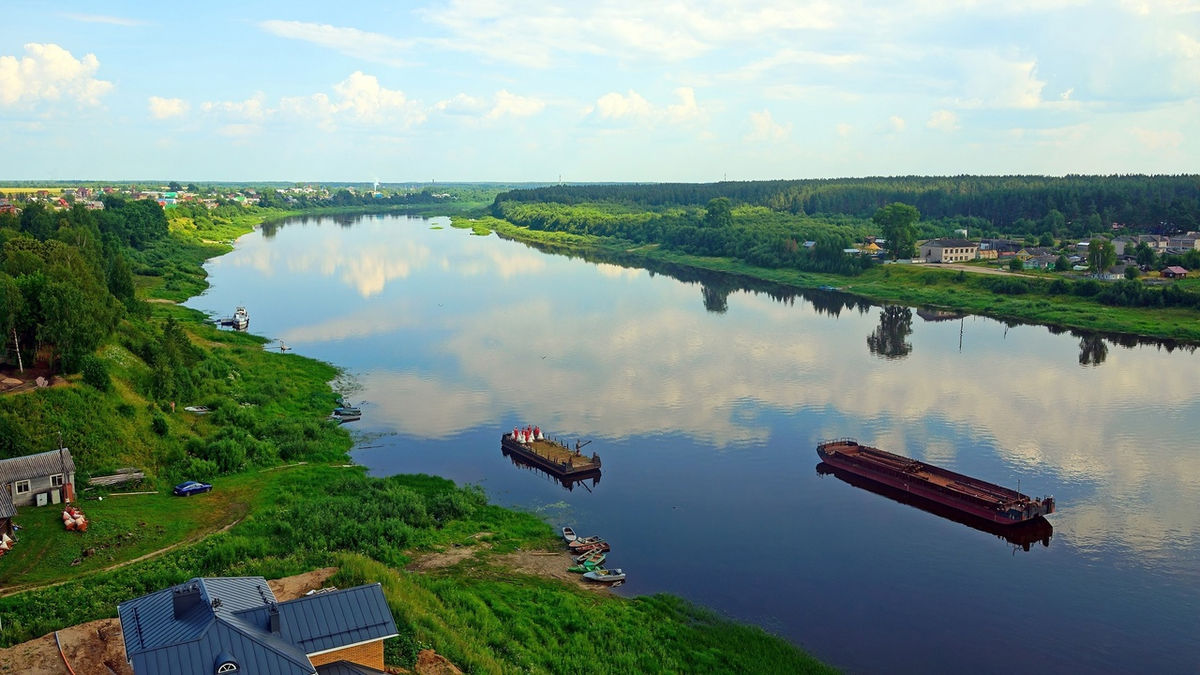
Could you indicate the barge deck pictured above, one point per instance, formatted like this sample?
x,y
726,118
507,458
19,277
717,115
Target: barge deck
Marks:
x,y
549,455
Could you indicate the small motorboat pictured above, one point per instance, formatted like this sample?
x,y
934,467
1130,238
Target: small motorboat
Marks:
x,y
569,534
603,575
198,409
346,411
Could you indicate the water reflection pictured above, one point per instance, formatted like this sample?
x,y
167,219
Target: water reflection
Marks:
x,y
568,482
889,340
1022,535
1092,350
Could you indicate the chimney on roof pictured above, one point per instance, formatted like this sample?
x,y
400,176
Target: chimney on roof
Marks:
x,y
184,597
273,615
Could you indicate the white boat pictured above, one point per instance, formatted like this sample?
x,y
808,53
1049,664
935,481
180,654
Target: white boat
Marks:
x,y
198,409
616,574
569,534
241,318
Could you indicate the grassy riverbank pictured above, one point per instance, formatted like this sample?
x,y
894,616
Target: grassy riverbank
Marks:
x,y
1036,301
286,501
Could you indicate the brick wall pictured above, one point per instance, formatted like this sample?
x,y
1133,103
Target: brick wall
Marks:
x,y
369,654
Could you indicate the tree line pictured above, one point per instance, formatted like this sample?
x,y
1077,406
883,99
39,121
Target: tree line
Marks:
x,y
66,278
1066,206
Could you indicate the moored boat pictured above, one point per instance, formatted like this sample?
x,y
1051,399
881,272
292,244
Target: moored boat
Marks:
x,y
596,556
241,318
601,574
569,534
969,495
578,543
593,546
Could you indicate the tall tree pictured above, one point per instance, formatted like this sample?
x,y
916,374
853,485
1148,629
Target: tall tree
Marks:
x,y
718,213
898,224
1101,254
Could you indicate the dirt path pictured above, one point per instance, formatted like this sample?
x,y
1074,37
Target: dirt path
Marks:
x,y
982,270
96,647
13,590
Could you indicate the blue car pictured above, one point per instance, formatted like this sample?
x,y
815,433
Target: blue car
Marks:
x,y
191,487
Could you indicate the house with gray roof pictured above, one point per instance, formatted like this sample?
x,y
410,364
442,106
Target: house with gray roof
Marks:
x,y
23,478
234,625
949,250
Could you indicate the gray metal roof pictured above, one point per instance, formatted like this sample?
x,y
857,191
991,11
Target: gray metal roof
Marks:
x,y
186,628
7,510
33,466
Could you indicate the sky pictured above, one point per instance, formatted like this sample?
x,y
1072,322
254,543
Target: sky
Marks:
x,y
482,90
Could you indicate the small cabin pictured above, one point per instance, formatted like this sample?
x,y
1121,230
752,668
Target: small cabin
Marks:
x,y
1174,272
41,479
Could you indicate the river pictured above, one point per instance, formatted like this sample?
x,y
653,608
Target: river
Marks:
x,y
705,400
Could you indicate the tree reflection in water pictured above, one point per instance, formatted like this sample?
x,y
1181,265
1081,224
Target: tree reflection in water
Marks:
x,y
888,340
1092,350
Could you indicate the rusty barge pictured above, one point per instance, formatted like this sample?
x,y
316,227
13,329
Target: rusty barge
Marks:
x,y
531,445
991,502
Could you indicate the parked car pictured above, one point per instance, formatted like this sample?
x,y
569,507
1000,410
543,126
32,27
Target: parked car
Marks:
x,y
191,487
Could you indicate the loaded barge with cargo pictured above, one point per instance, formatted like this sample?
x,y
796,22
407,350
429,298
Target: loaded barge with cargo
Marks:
x,y
991,502
531,445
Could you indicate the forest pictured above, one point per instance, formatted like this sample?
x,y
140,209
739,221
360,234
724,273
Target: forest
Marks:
x,y
1072,205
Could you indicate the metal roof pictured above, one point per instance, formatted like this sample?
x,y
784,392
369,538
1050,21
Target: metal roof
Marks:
x,y
7,510
33,466
187,628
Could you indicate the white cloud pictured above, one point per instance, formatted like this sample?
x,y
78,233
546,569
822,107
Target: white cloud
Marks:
x,y
686,109
634,108
514,105
49,72
943,120
461,104
897,123
163,108
1159,140
253,108
359,98
349,41
763,128
790,58
100,18
992,81
534,34
843,129
616,106
238,130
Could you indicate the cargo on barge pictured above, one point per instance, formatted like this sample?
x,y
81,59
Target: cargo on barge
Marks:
x,y
969,495
550,455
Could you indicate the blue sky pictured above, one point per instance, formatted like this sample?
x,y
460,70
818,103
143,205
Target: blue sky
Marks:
x,y
601,91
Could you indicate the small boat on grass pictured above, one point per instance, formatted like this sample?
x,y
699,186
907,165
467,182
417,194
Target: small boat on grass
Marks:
x,y
603,575
569,534
198,409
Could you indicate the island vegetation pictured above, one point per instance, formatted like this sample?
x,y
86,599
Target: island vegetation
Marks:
x,y
88,299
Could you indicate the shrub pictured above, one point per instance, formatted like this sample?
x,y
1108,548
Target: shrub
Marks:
x,y
95,372
158,424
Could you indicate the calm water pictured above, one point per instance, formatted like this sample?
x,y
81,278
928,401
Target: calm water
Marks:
x,y
705,402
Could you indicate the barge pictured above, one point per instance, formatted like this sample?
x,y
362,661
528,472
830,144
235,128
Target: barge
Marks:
x,y
531,445
1023,535
972,496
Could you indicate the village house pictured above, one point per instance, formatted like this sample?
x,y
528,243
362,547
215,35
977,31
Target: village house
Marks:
x,y
234,625
1174,272
1040,262
44,478
1185,242
948,250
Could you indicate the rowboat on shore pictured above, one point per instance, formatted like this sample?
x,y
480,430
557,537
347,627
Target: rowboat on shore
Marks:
x,y
569,534
604,575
